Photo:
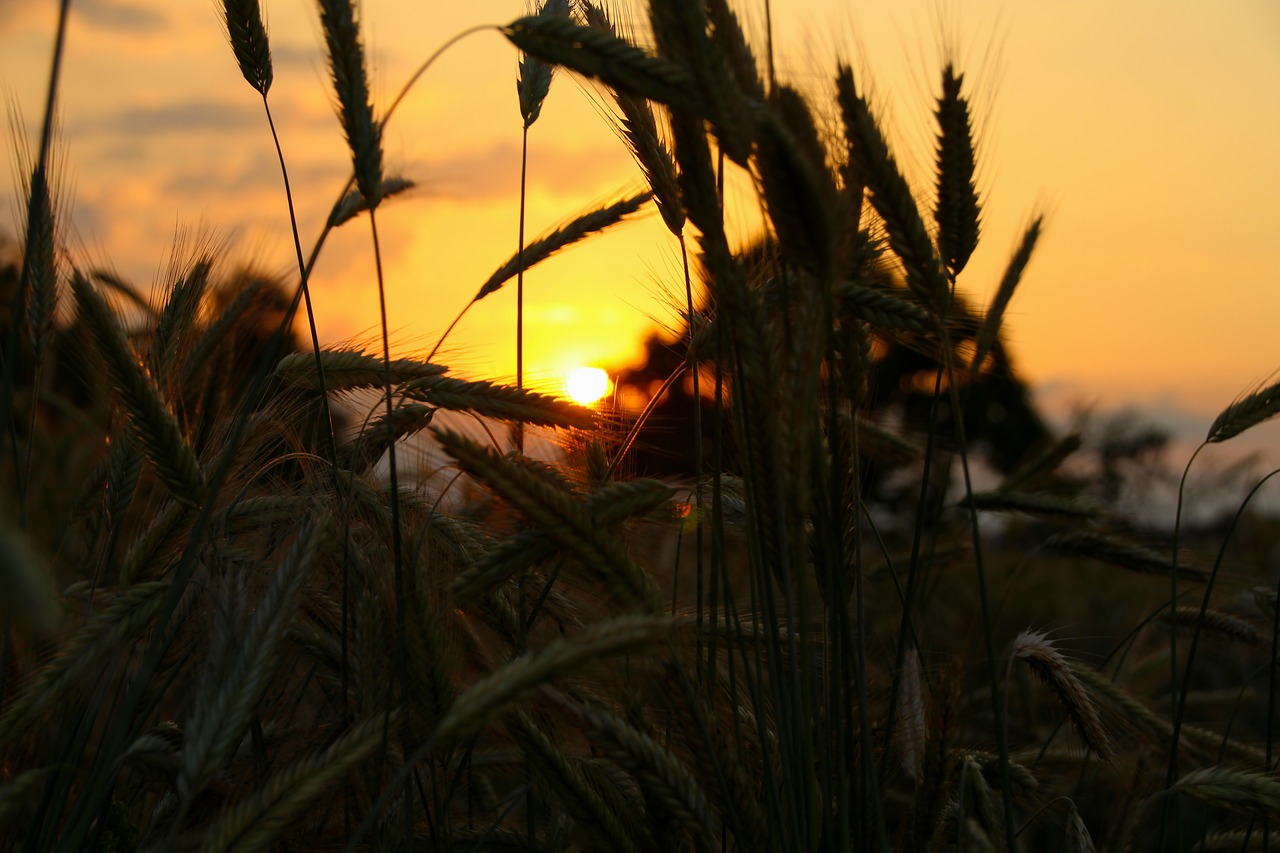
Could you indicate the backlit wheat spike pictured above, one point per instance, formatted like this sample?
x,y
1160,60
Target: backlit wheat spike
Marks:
x,y
558,515
40,248
499,401
795,184
547,245
1247,791
350,369
958,211
639,128
373,441
534,81
180,313
1247,412
353,203
154,425
602,56
1031,503
878,308
255,822
890,196
609,505
1078,838
989,332
478,703
249,43
351,84
1048,663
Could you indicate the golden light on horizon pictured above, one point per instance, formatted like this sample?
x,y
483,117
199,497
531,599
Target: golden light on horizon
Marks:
x,y
586,385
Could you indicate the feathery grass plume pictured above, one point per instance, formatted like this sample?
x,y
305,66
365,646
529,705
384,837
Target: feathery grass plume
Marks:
x,y
534,81
1048,663
499,401
351,84
367,448
589,810
882,310
610,504
1216,621
1248,411
660,774
248,37
890,196
473,708
350,369
958,211
29,600
989,332
547,245
1126,555
155,428
602,56
1031,503
557,514
639,129
257,821
218,721
1248,791
795,184
353,203
115,626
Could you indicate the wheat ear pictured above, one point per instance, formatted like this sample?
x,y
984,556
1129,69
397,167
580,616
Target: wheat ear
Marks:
x,y
603,56
989,332
1249,411
154,426
1248,791
473,707
1048,663
958,212
351,83
255,823
248,37
349,370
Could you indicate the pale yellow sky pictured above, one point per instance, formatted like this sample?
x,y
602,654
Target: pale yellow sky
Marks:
x,y
1146,130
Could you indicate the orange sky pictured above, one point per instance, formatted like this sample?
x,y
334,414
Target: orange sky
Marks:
x,y
1146,130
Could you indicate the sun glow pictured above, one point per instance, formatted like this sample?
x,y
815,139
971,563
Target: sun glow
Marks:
x,y
586,385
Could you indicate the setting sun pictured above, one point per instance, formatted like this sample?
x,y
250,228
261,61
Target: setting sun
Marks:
x,y
586,385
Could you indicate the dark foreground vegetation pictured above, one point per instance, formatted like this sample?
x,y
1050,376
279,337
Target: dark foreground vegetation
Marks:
x,y
235,618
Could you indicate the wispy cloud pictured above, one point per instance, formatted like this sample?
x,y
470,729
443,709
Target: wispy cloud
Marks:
x,y
128,16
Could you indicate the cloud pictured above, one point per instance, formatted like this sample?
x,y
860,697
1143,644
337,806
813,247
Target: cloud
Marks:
x,y
203,116
118,15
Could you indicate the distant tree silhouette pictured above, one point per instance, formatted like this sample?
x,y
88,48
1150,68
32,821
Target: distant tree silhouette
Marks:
x,y
1000,420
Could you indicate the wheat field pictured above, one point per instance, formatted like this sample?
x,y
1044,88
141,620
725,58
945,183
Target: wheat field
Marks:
x,y
241,612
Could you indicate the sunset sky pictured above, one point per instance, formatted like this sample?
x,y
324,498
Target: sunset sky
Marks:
x,y
1146,131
